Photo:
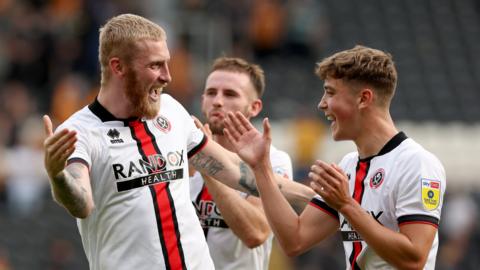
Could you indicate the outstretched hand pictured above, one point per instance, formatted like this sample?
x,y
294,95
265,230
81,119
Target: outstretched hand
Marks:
x,y
58,147
251,146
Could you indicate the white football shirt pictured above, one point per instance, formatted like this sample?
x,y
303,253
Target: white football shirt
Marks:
x,y
403,184
227,250
143,216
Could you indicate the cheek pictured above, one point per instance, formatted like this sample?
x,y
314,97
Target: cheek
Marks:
x,y
342,110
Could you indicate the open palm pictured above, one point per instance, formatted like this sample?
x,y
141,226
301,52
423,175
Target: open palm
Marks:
x,y
251,146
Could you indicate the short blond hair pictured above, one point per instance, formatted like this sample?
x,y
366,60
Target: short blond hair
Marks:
x,y
254,72
118,36
362,65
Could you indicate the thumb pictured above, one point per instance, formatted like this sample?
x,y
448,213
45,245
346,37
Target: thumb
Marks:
x,y
266,129
48,125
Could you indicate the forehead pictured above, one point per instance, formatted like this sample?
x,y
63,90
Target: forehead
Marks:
x,y
336,84
152,50
222,79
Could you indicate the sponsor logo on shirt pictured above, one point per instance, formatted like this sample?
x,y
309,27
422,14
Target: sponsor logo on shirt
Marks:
x,y
377,178
155,169
114,136
430,194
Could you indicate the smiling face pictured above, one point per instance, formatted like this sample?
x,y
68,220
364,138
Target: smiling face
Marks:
x,y
340,105
228,91
146,76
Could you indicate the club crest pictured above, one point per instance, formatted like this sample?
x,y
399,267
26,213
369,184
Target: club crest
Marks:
x,y
377,178
162,123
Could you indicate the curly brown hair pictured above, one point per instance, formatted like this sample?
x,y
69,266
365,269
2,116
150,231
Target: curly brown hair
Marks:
x,y
254,72
362,65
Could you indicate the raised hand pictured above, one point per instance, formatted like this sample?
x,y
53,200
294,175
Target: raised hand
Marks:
x,y
251,146
58,147
204,128
330,182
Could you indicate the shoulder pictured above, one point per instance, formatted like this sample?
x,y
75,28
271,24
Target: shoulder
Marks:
x,y
276,154
349,158
80,120
412,154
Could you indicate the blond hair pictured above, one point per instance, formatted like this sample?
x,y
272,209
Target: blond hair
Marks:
x,y
254,72
118,37
362,65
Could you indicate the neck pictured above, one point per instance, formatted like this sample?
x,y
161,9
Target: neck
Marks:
x,y
115,102
374,135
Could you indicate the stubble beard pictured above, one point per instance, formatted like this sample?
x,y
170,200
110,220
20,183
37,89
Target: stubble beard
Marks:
x,y
138,97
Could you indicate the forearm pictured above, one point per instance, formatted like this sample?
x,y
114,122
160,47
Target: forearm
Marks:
x,y
282,218
246,220
401,251
69,192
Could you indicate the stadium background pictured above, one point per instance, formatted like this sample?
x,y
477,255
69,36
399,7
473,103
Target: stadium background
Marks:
x,y
48,64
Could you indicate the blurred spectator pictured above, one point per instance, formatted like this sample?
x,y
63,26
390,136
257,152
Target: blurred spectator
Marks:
x,y
267,26
306,27
309,133
26,180
18,104
458,227
69,95
181,87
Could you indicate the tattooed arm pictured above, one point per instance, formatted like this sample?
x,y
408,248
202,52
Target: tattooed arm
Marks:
x,y
70,184
227,167
71,189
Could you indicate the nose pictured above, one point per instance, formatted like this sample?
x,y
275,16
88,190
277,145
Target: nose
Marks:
x,y
322,105
164,75
217,100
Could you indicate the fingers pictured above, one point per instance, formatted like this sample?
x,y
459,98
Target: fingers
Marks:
x,y
66,145
231,128
243,121
266,128
325,176
197,122
48,125
54,143
207,130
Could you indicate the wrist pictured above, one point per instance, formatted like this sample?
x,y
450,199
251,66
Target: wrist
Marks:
x,y
348,207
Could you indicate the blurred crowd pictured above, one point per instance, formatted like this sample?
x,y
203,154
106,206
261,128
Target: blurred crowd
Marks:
x,y
48,64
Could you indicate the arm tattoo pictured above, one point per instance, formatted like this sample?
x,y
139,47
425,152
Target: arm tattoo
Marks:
x,y
68,192
206,163
247,180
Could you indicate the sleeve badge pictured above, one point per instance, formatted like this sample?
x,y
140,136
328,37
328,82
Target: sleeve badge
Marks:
x,y
430,194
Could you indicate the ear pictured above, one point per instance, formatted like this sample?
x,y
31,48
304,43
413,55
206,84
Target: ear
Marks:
x,y
256,107
365,97
116,66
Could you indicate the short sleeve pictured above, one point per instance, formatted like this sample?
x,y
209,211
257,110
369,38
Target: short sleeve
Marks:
x,y
196,140
420,190
281,163
83,146
321,205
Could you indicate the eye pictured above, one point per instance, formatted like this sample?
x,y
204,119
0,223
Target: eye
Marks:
x,y
231,94
210,92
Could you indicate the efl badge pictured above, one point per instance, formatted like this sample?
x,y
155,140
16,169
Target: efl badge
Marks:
x,y
162,123
430,194
377,178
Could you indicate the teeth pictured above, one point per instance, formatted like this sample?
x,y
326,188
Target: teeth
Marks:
x,y
330,118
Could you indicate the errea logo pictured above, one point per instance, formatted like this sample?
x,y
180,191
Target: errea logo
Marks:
x,y
114,136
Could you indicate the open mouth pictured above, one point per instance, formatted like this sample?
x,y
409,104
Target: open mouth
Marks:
x,y
154,94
